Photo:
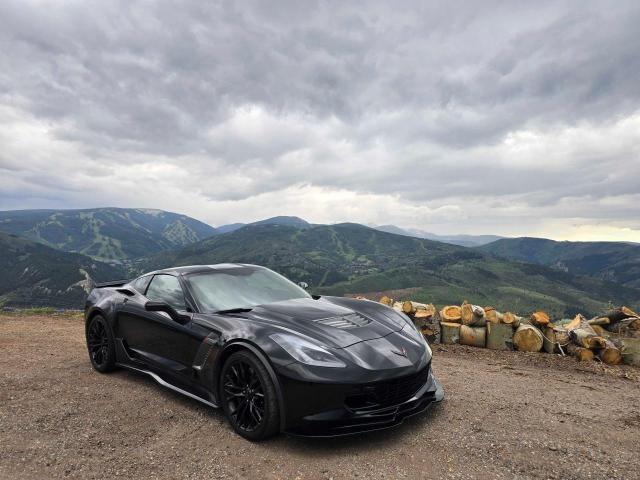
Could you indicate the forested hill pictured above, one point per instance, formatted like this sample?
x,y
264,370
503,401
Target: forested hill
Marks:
x,y
108,234
351,258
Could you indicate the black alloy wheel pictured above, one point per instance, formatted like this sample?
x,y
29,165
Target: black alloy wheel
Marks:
x,y
100,345
248,397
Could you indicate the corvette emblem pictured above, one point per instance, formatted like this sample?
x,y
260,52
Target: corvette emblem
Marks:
x,y
402,352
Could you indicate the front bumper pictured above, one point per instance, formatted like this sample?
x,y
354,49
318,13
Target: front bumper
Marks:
x,y
328,410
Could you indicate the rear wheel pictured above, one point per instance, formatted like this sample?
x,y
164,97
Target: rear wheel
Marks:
x,y
102,352
249,398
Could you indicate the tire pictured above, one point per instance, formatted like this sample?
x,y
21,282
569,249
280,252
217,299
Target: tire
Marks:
x,y
249,397
100,344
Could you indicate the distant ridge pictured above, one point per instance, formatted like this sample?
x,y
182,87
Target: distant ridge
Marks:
x,y
296,222
108,234
462,240
613,261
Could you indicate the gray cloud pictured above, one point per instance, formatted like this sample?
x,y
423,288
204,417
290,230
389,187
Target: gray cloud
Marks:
x,y
505,110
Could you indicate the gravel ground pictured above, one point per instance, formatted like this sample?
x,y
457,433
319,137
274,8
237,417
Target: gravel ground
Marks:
x,y
506,415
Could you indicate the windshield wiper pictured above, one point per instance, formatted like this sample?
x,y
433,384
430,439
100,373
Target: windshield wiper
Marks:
x,y
234,310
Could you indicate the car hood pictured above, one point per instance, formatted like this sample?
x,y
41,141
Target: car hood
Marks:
x,y
333,325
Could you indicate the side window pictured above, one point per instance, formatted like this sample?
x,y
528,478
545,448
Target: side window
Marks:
x,y
140,284
166,288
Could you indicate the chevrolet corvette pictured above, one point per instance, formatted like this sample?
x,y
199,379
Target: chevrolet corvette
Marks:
x,y
274,358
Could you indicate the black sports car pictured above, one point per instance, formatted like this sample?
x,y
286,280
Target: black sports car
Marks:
x,y
272,356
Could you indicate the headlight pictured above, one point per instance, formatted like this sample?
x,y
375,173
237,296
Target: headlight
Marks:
x,y
306,352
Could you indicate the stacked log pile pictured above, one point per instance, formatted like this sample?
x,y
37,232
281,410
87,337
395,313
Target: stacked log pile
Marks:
x,y
611,338
424,317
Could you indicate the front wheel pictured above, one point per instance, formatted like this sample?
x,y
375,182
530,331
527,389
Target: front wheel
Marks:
x,y
102,352
248,396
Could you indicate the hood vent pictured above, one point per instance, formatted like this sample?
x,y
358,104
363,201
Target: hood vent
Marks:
x,y
344,322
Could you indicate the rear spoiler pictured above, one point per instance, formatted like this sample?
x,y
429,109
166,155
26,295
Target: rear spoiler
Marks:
x,y
115,283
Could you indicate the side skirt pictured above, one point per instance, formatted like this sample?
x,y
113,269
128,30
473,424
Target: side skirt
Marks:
x,y
168,385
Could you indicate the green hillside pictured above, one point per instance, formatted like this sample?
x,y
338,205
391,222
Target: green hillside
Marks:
x,y
351,258
34,275
108,234
615,261
296,222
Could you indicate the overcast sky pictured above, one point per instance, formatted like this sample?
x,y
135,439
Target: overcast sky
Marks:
x,y
472,117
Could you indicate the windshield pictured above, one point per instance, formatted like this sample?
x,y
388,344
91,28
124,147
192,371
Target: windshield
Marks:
x,y
241,287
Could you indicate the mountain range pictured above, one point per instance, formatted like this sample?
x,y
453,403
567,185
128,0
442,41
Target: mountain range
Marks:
x,y
614,261
107,234
352,258
333,259
296,222
462,240
35,275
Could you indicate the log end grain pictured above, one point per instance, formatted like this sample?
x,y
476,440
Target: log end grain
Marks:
x,y
451,313
528,338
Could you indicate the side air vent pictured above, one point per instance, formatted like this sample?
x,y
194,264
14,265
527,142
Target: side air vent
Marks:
x,y
344,322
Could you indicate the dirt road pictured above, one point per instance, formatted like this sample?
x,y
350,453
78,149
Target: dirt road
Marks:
x,y
506,415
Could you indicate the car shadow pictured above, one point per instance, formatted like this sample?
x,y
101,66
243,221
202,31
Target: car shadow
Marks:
x,y
183,400
324,446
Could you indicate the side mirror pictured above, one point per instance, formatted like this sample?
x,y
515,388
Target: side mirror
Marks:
x,y
304,285
168,309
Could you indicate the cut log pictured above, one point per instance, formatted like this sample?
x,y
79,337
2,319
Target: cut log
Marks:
x,y
421,322
517,321
597,343
610,354
599,321
514,320
575,323
582,354
528,339
386,301
493,315
408,307
562,336
472,315
473,336
451,314
431,333
620,313
540,319
582,337
558,339
499,336
625,327
601,332
428,325
424,310
397,306
450,332
508,318
549,342
629,349
582,334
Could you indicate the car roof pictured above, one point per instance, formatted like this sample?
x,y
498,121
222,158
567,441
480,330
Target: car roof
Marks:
x,y
189,269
